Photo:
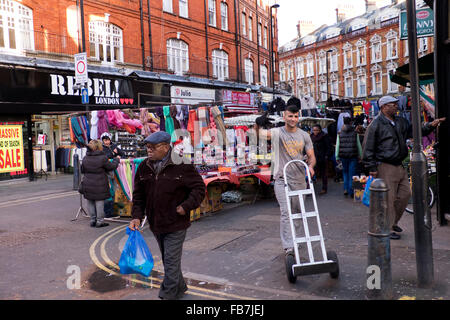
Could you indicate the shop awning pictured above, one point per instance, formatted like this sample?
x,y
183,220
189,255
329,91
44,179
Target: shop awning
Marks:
x,y
426,72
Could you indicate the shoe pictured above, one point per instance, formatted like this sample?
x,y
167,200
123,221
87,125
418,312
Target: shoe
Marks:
x,y
395,236
113,217
397,229
100,225
345,193
323,192
93,224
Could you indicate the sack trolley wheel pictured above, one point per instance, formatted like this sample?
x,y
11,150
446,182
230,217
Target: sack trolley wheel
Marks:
x,y
333,257
290,261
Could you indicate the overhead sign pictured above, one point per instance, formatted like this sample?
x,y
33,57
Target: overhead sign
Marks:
x,y
185,95
424,20
11,149
81,74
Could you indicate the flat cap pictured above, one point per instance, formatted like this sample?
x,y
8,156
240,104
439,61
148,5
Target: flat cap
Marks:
x,y
386,99
158,137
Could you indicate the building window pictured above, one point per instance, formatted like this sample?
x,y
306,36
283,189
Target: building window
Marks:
x,y
224,15
300,69
265,38
212,12
361,56
263,75
334,62
250,28
362,89
177,56
405,45
348,59
323,91
220,64
376,52
423,46
311,89
349,87
183,8
392,87
377,83
310,68
167,6
291,72
243,22
105,41
392,52
259,34
248,70
16,26
282,73
322,65
335,88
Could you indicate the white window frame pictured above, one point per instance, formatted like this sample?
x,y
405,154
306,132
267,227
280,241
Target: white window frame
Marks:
x,y
250,28
377,86
334,63
361,78
265,38
259,34
183,8
391,44
291,72
16,21
348,63
310,68
177,56
212,13
405,45
244,22
376,52
358,56
105,41
349,89
248,64
263,71
168,6
323,91
334,87
322,64
224,15
392,86
300,69
220,64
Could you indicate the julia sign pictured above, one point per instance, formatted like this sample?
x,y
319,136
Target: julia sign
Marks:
x,y
11,149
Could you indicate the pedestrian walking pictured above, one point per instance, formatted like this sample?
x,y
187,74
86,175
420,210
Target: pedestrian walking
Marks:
x,y
111,150
289,143
94,184
348,151
384,150
323,152
166,192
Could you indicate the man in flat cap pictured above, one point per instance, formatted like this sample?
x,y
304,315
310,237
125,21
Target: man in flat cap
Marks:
x,y
166,193
384,149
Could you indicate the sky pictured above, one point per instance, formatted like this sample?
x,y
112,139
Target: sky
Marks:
x,y
319,11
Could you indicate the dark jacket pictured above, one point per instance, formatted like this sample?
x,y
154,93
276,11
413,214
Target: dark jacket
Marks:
x,y
109,151
386,143
94,184
158,195
348,147
322,146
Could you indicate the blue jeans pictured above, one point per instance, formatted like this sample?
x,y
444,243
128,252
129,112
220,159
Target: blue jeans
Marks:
x,y
348,171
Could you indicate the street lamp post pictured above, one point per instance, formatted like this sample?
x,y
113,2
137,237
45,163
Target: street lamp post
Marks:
x,y
276,5
326,58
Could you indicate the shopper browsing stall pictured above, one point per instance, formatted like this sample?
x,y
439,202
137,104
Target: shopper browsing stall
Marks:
x,y
110,149
166,193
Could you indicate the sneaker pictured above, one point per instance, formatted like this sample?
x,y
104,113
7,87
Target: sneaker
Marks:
x,y
100,225
395,236
345,193
93,224
397,229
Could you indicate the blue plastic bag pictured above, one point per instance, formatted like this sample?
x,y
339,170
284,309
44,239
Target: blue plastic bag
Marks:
x,y
366,195
136,256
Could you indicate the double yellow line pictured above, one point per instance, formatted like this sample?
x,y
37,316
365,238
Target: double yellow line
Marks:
x,y
150,281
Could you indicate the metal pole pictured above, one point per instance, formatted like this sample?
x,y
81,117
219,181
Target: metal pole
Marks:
x,y
150,36
271,55
141,17
83,36
326,58
379,286
422,214
76,172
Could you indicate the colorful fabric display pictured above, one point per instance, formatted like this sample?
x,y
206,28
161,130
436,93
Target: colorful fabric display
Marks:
x,y
203,125
173,115
192,127
160,115
80,129
169,122
218,120
145,120
102,124
125,174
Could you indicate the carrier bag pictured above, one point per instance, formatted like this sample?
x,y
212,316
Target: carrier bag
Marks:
x,y
136,256
366,195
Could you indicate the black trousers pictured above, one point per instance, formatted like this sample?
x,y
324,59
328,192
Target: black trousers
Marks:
x,y
321,168
171,247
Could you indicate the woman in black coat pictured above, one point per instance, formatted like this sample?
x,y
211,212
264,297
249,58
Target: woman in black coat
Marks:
x,y
323,152
94,185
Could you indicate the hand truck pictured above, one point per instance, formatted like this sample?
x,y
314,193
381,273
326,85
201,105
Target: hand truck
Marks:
x,y
294,267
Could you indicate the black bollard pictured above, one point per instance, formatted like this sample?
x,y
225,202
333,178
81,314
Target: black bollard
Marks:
x,y
76,172
379,281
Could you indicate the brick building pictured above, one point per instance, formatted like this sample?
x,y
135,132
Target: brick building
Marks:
x,y
361,52
216,39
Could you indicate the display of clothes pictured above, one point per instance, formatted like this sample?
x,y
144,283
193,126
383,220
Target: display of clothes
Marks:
x,y
80,131
125,173
94,125
40,160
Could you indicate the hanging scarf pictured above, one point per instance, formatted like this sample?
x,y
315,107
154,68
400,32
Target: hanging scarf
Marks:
x,y
94,125
102,125
162,122
169,122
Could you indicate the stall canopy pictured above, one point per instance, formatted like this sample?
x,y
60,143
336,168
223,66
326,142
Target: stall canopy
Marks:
x,y
426,72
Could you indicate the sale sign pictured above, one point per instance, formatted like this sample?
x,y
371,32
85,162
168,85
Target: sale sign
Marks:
x,y
11,149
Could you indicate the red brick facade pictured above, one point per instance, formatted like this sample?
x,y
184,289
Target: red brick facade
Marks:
x,y
56,33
